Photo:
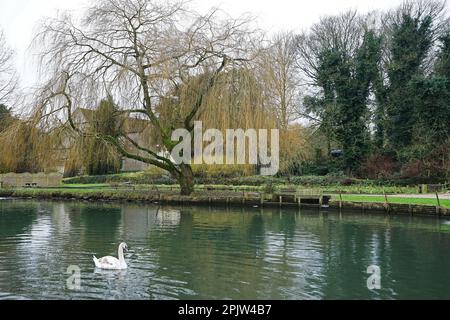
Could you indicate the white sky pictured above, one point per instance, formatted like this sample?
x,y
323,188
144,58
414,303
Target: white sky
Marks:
x,y
18,18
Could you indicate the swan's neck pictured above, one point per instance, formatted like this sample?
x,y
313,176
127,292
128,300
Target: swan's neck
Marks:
x,y
121,257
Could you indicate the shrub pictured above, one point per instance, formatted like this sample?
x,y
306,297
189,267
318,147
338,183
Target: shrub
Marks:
x,y
348,182
269,188
378,167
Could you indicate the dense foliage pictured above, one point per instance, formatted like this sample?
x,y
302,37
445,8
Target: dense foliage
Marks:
x,y
382,90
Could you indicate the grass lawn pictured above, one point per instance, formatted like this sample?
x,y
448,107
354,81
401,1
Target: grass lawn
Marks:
x,y
85,186
62,190
420,201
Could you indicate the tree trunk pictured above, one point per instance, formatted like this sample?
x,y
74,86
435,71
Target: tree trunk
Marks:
x,y
186,180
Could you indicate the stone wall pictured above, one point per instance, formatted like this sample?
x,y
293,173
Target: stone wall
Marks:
x,y
41,180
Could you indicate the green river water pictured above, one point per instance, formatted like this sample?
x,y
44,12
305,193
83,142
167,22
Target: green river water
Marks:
x,y
212,253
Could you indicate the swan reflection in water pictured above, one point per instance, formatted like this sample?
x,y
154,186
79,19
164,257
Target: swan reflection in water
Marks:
x,y
111,274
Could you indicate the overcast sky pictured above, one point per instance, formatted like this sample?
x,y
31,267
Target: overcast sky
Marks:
x,y
18,18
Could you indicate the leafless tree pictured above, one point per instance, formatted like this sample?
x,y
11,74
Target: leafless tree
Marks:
x,y
343,32
8,76
281,77
418,10
139,52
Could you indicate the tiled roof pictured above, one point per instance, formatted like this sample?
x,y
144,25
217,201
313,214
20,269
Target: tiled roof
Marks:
x,y
131,125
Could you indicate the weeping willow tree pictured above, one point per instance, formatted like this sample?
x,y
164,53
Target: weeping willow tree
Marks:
x,y
235,101
26,148
139,51
239,100
8,75
73,165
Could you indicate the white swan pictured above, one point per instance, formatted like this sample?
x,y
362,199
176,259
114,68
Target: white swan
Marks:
x,y
111,263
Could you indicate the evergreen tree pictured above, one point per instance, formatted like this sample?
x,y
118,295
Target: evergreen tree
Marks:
x,y
346,82
410,45
100,158
442,66
5,117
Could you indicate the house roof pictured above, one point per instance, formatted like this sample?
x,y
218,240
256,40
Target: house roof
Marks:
x,y
130,125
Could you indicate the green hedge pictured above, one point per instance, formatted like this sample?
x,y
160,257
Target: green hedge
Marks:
x,y
146,178
307,181
136,178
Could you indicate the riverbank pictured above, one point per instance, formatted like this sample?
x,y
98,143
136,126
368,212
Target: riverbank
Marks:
x,y
328,184
399,204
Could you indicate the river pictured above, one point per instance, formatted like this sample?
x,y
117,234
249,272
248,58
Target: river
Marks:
x,y
218,253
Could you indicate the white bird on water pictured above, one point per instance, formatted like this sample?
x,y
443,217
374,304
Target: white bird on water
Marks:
x,y
111,263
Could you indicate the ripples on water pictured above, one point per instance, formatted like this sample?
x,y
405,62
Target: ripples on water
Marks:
x,y
201,253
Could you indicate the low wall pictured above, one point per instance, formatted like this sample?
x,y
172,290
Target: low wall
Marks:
x,y
23,180
236,201
394,208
